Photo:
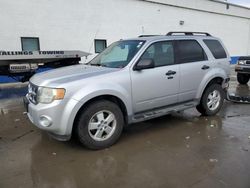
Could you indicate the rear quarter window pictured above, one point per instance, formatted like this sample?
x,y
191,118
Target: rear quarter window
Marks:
x,y
216,48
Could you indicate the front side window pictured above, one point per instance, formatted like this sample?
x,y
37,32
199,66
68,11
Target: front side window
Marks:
x,y
30,44
190,51
216,48
161,52
118,54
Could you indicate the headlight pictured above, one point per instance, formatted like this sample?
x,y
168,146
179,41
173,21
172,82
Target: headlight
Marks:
x,y
48,95
241,62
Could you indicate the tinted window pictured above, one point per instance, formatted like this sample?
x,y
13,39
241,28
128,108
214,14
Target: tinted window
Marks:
x,y
216,48
190,51
161,52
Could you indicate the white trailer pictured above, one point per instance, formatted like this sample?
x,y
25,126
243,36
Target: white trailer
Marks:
x,y
23,64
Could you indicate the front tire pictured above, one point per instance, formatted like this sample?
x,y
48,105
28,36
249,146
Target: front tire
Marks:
x,y
100,125
211,100
242,78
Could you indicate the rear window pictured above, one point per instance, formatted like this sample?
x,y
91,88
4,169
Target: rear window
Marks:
x,y
190,51
216,48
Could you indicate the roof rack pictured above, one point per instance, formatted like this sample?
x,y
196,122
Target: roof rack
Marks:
x,y
187,33
147,36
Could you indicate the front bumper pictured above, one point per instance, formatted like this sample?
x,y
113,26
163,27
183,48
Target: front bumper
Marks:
x,y
55,118
245,69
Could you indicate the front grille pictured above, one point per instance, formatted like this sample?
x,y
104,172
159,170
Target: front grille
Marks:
x,y
248,62
32,93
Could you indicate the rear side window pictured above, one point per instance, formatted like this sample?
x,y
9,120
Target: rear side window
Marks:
x,y
216,48
190,51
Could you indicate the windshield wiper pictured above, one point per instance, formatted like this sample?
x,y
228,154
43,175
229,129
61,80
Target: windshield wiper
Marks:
x,y
98,65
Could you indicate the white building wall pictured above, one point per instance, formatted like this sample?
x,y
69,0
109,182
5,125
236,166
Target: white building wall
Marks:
x,y
74,24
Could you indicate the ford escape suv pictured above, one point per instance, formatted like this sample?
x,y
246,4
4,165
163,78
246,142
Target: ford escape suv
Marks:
x,y
131,81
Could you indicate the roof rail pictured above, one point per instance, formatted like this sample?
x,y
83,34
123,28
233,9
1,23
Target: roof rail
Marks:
x,y
187,33
147,36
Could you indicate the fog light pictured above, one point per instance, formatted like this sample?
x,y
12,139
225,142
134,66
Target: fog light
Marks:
x,y
45,121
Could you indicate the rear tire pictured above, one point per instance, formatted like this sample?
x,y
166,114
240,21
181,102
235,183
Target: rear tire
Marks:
x,y
242,78
211,100
100,125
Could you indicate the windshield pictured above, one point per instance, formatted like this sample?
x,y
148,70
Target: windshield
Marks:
x,y
118,54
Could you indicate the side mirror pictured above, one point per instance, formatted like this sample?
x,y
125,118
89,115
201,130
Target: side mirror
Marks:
x,y
144,64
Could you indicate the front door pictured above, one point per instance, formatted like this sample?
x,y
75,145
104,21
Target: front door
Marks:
x,y
156,87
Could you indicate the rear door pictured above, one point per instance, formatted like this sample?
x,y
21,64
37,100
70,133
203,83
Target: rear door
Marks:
x,y
158,86
194,65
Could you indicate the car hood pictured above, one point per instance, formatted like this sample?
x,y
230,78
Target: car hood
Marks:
x,y
68,74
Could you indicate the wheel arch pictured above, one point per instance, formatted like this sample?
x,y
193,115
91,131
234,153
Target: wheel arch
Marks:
x,y
107,97
214,80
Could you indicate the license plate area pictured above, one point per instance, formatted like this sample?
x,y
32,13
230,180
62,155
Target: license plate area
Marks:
x,y
23,67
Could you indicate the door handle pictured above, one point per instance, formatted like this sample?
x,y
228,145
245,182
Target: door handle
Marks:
x,y
204,67
169,73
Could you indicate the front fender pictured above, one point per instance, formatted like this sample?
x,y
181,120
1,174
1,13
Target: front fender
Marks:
x,y
95,90
215,73
90,91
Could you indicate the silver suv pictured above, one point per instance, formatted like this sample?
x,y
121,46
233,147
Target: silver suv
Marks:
x,y
131,81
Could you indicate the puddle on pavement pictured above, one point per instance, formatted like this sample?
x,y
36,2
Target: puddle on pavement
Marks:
x,y
11,98
240,93
242,90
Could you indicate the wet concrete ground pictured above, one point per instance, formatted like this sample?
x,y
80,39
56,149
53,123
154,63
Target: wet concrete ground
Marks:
x,y
181,150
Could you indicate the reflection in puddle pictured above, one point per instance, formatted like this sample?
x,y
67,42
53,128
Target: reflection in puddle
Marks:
x,y
242,90
143,154
240,93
